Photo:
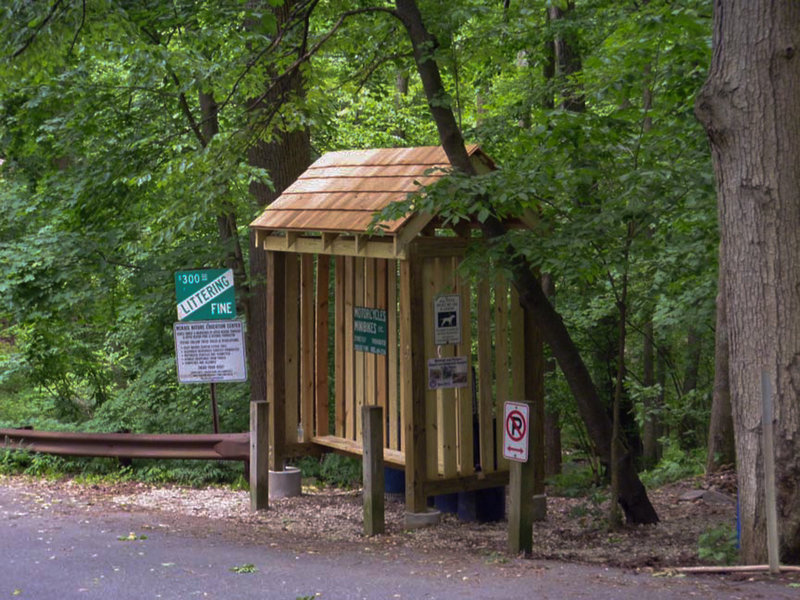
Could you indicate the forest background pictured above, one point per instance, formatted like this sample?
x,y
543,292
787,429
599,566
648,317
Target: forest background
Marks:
x,y
141,138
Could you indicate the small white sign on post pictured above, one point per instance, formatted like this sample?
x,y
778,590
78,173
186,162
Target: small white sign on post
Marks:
x,y
447,319
210,351
516,426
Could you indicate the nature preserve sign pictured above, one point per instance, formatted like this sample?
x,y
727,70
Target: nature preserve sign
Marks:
x,y
369,330
205,295
210,351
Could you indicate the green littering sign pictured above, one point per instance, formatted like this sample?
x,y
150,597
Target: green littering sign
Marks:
x,y
205,295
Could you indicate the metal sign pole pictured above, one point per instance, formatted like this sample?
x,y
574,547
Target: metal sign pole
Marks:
x,y
214,414
768,448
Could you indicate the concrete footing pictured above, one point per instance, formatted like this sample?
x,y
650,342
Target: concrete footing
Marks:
x,y
422,519
285,484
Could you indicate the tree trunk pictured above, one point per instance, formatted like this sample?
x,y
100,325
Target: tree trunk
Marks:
x,y
651,431
689,426
552,416
226,222
567,60
285,158
750,107
632,495
721,448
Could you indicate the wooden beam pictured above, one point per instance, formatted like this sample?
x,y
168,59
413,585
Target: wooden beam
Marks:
x,y
478,481
424,320
372,463
336,245
393,400
381,362
292,346
353,448
328,239
485,400
412,229
413,387
360,357
348,350
259,455
307,354
466,443
321,395
275,372
502,376
340,364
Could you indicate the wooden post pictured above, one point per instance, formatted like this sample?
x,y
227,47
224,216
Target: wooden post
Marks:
x,y
374,487
276,372
520,501
413,383
259,455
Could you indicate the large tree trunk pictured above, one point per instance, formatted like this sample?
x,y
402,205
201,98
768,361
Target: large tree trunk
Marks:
x,y
285,157
721,448
552,416
750,107
632,495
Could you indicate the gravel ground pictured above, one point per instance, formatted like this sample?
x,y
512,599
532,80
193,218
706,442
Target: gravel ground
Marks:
x,y
575,528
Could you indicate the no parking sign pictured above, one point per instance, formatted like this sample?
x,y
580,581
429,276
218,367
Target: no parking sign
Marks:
x,y
515,431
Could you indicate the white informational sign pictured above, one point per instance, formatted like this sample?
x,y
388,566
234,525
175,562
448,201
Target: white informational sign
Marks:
x,y
210,351
447,319
515,431
451,372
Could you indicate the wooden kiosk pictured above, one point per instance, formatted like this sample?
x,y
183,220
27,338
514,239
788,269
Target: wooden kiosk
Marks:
x,y
329,352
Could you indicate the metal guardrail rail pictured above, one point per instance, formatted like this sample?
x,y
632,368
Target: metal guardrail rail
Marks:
x,y
218,446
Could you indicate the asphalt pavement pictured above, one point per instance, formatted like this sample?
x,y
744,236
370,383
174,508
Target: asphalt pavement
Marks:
x,y
58,555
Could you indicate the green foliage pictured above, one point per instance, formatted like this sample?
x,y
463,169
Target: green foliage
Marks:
x,y
675,465
718,546
108,185
332,469
31,463
109,470
576,480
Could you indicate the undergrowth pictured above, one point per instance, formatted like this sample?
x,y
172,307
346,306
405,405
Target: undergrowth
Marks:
x,y
332,469
111,470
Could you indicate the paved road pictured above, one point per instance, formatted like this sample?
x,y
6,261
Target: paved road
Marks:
x,y
55,555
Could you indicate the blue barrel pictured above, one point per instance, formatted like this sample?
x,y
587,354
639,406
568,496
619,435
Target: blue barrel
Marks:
x,y
394,481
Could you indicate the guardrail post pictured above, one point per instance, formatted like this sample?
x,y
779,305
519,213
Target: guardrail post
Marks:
x,y
374,485
259,455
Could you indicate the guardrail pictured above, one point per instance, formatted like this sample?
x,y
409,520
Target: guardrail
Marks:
x,y
217,446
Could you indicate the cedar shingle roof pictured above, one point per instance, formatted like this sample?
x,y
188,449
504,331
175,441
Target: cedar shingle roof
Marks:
x,y
342,190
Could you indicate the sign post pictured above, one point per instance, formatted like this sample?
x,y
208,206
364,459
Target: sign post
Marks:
x,y
516,428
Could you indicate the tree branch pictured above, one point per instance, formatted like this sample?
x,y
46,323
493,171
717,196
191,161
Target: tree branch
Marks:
x,y
38,29
80,26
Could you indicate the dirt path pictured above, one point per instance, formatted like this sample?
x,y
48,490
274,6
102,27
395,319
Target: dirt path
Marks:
x,y
62,540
